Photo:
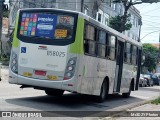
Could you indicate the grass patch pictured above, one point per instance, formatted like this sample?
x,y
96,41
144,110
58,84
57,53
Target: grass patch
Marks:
x,y
156,101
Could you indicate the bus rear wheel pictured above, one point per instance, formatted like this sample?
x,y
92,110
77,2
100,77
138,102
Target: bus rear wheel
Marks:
x,y
104,93
54,92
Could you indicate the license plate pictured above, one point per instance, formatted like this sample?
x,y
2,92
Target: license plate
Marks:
x,y
40,72
50,77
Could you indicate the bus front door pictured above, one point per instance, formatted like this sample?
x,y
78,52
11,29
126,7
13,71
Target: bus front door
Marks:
x,y
119,66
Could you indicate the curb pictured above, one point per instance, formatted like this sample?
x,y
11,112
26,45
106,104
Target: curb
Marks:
x,y
124,112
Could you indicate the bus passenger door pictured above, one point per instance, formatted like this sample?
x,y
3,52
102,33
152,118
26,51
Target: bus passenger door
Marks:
x,y
119,66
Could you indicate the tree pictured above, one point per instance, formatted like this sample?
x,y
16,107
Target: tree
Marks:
x,y
116,23
150,53
6,13
123,22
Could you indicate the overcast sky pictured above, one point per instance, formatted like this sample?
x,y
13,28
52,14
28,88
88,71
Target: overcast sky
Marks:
x,y
151,22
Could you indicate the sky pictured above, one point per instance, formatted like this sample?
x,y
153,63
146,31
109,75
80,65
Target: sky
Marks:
x,y
150,22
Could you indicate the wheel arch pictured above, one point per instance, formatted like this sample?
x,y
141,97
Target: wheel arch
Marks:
x,y
106,79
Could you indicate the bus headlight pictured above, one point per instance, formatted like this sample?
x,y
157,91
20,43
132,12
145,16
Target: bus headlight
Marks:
x,y
70,69
14,63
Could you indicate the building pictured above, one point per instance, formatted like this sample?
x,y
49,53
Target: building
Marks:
x,y
101,10
15,5
5,45
157,45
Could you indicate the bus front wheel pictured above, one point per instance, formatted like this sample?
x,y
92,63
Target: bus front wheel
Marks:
x,y
104,93
54,92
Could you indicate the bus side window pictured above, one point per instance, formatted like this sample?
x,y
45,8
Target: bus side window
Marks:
x,y
134,55
89,40
101,44
127,55
111,46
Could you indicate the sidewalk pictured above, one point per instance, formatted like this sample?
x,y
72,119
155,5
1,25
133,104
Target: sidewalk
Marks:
x,y
4,73
147,107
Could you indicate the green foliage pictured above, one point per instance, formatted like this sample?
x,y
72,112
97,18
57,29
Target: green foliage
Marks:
x,y
6,13
120,23
156,101
4,57
150,53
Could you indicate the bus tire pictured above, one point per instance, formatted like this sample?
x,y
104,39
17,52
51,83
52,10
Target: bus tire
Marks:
x,y
54,92
104,93
127,94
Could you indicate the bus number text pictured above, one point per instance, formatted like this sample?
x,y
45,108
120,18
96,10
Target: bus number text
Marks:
x,y
56,53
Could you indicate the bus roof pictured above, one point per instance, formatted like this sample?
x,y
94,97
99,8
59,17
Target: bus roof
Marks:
x,y
88,18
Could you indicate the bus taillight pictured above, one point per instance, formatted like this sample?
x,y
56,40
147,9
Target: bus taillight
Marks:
x,y
14,63
70,69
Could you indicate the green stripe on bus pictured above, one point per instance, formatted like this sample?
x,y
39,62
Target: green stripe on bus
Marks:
x,y
15,39
77,46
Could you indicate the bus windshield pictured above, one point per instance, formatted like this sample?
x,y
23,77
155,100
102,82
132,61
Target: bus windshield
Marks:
x,y
51,26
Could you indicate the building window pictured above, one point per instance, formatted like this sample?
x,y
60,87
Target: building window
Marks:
x,y
113,6
99,15
20,4
136,22
106,19
109,2
86,10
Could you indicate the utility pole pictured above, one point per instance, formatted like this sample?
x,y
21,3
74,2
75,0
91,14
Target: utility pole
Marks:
x,y
1,19
82,4
159,51
159,43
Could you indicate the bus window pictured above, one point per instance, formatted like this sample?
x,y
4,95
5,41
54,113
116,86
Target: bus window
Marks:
x,y
127,56
134,55
89,40
102,44
46,28
111,46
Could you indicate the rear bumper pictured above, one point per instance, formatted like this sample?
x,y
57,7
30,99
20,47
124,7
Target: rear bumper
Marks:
x,y
68,85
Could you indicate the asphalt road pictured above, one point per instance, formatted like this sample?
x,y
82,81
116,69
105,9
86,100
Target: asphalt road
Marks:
x,y
12,98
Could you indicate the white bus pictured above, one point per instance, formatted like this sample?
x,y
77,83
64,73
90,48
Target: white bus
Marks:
x,y
60,50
